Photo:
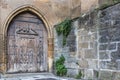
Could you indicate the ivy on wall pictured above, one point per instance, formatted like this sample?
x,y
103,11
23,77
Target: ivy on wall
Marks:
x,y
61,70
64,29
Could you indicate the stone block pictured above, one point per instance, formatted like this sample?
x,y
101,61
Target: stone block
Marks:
x,y
90,5
87,38
115,55
83,45
92,38
92,64
88,74
75,24
101,2
81,53
108,65
118,45
112,65
76,12
103,47
117,22
81,39
2,46
96,74
102,25
116,75
73,54
95,34
93,45
72,48
1,59
82,32
57,6
90,54
50,54
103,64
103,39
115,34
105,75
71,60
2,67
104,55
112,46
72,72
109,46
118,65
65,49
71,37
50,47
71,41
71,65
83,63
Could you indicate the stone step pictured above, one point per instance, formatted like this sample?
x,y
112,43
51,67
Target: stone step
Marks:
x,y
33,76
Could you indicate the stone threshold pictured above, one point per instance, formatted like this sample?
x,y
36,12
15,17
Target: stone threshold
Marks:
x,y
33,76
12,75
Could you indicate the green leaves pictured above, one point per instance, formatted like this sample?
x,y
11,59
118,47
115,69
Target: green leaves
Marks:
x,y
60,61
61,70
60,67
79,76
64,29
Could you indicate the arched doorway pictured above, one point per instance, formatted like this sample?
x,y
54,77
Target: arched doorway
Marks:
x,y
26,44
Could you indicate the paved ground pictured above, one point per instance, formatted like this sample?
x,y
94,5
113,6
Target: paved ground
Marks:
x,y
33,76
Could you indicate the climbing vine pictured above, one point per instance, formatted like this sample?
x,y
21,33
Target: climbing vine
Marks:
x,y
64,29
61,70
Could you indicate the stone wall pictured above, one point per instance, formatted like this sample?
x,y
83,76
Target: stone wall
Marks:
x,y
88,5
93,44
97,53
87,45
0,15
109,42
52,11
102,2
100,49
68,51
102,29
83,55
2,54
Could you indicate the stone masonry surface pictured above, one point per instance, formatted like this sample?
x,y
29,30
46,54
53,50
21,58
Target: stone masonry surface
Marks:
x,y
93,46
97,53
33,76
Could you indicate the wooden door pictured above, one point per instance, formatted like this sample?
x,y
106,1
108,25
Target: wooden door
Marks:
x,y
27,44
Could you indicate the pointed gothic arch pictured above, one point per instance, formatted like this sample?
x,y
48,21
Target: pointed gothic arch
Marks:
x,y
32,9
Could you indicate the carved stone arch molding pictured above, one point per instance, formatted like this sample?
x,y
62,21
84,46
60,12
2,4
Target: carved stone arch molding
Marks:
x,y
28,8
